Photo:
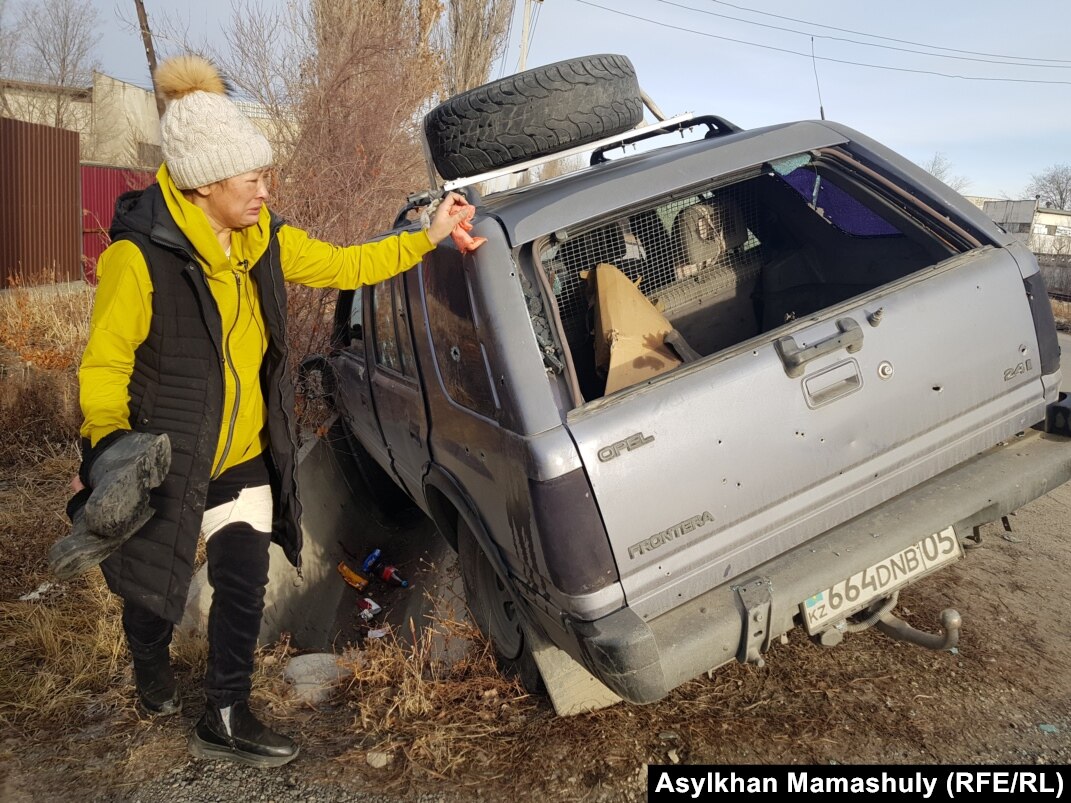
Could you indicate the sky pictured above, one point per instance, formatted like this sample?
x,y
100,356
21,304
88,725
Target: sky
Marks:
x,y
986,84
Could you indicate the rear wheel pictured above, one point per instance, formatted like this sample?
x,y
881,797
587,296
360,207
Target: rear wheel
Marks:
x,y
495,613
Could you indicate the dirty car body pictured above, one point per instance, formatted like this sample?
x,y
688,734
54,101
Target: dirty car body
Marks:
x,y
850,369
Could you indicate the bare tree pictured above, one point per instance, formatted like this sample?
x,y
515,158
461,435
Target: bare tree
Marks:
x,y
57,42
339,88
1052,187
940,168
471,36
9,37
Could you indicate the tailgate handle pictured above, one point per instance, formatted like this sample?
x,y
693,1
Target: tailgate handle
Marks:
x,y
849,337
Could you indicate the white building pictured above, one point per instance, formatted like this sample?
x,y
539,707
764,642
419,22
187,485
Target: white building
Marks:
x,y
1046,232
117,122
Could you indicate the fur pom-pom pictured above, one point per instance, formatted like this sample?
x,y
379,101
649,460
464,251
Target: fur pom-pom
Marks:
x,y
181,75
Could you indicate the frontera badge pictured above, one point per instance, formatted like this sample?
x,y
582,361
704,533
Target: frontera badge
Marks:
x,y
672,534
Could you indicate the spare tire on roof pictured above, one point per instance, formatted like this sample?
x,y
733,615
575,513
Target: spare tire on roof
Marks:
x,y
534,113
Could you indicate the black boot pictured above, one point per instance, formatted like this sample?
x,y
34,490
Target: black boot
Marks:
x,y
234,734
115,505
81,550
157,689
121,477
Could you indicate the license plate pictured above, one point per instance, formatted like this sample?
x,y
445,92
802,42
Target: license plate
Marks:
x,y
877,581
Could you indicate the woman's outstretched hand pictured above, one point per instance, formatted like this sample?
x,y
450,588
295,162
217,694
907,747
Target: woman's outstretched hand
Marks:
x,y
452,210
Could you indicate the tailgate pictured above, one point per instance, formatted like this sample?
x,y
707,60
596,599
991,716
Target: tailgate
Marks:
x,y
720,466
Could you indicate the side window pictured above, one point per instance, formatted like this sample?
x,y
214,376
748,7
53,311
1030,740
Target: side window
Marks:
x,y
355,334
451,320
385,338
405,339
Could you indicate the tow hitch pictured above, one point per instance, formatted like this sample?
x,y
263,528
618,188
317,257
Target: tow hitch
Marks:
x,y
881,616
897,628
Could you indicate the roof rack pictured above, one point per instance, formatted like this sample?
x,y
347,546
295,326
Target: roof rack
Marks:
x,y
678,123
716,127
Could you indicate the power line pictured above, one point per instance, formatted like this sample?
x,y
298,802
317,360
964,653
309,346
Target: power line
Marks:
x,y
887,38
823,58
995,60
509,32
535,22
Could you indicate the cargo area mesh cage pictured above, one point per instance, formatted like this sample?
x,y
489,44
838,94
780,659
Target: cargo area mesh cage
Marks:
x,y
678,253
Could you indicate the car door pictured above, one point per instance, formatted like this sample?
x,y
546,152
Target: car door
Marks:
x,y
395,387
354,392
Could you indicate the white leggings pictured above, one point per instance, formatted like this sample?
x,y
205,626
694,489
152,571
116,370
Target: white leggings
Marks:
x,y
253,507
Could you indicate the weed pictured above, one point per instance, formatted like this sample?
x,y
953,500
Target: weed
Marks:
x,y
1061,311
43,323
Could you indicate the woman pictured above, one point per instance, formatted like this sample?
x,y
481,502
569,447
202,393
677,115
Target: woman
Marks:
x,y
184,390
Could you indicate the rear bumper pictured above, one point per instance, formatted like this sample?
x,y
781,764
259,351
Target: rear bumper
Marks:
x,y
643,661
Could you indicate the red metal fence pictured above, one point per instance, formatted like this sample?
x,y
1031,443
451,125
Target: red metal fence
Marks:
x,y
54,213
39,208
101,186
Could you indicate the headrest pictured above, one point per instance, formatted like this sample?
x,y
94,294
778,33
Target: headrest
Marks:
x,y
706,230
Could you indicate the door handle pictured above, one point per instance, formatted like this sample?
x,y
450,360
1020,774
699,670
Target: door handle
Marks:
x,y
849,337
414,431
832,383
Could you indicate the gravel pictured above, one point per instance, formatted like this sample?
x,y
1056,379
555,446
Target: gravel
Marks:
x,y
224,782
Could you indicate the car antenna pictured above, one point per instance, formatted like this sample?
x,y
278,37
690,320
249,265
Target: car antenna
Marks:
x,y
814,64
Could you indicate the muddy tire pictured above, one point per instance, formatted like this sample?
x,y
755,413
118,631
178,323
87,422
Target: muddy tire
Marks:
x,y
533,113
494,613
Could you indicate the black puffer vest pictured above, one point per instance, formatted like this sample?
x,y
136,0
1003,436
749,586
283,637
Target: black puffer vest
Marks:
x,y
176,387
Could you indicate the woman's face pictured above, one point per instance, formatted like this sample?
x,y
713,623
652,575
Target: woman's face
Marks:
x,y
235,203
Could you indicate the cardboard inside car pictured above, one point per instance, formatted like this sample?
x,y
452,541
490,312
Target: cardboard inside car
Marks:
x,y
629,331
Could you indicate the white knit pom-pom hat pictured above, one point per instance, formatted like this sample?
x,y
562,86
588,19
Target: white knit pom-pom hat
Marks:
x,y
205,137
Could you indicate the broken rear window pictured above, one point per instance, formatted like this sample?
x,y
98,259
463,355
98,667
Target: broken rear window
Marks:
x,y
837,206
690,275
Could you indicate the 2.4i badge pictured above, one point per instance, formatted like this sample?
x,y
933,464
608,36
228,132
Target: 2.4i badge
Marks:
x,y
1022,368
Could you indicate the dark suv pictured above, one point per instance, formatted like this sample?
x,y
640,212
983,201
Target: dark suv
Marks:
x,y
688,398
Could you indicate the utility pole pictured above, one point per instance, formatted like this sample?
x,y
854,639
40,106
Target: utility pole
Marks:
x,y
150,54
523,61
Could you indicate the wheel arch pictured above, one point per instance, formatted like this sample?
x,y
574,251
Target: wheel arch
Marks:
x,y
448,504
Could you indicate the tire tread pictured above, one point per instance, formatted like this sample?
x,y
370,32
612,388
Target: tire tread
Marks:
x,y
534,113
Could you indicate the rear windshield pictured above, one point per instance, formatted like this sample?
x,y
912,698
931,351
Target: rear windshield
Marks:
x,y
723,264
839,208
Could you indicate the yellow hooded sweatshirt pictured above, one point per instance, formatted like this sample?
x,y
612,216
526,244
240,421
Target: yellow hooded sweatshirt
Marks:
x,y
123,308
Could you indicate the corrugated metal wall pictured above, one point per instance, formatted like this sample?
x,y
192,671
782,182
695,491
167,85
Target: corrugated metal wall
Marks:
x,y
101,186
40,224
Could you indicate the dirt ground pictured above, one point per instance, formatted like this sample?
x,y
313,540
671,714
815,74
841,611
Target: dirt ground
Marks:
x,y
1003,696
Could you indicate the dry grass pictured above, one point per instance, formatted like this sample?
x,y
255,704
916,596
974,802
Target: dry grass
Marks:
x,y
436,720
62,650
41,419
45,324
62,654
64,678
1061,311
